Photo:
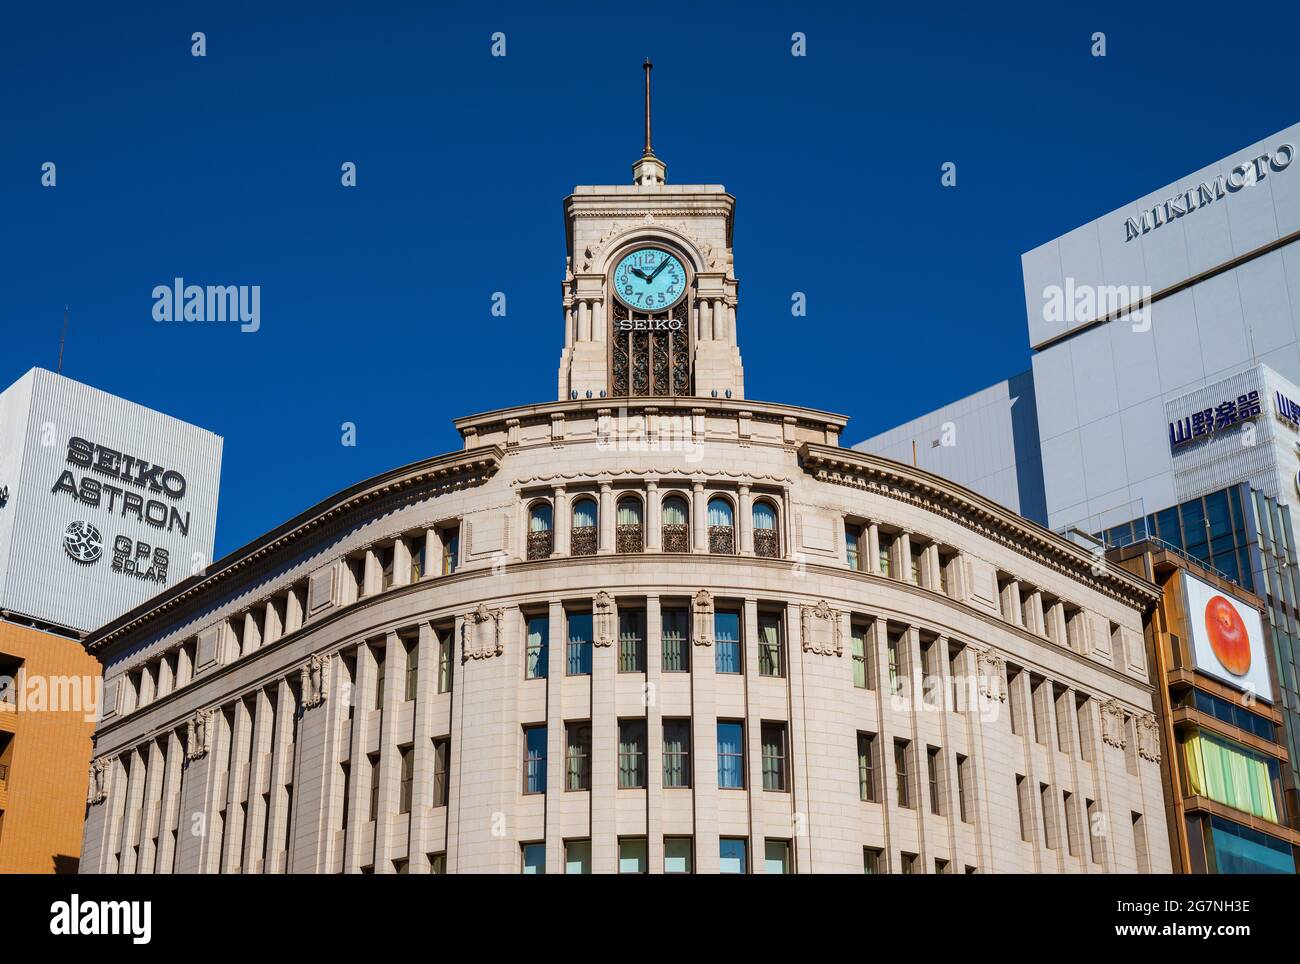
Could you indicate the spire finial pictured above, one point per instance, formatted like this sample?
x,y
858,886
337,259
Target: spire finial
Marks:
x,y
648,171
647,67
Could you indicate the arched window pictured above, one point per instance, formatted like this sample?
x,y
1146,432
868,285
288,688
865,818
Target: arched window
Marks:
x,y
766,541
630,536
541,538
722,527
583,539
676,525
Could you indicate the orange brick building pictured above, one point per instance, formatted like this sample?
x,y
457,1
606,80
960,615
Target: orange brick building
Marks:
x,y
46,721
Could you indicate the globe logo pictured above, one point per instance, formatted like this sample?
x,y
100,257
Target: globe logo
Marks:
x,y
82,542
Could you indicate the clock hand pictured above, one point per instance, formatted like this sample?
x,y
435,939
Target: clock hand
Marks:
x,y
662,264
639,273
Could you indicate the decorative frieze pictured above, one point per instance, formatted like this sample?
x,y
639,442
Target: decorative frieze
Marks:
x,y
101,775
198,735
315,681
821,629
602,619
991,668
1148,737
1114,728
702,618
480,634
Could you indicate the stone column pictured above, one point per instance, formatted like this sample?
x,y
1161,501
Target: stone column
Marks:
x,y
873,548
719,320
653,525
562,520
745,522
699,519
584,320
606,520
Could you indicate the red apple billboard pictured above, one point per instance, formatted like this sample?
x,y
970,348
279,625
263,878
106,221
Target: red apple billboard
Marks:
x,y
1227,638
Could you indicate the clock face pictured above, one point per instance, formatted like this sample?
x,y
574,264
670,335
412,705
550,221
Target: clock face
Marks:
x,y
649,279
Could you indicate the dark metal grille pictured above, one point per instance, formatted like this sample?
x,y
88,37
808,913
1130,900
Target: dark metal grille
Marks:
x,y
583,540
676,538
628,538
646,363
540,544
722,540
766,543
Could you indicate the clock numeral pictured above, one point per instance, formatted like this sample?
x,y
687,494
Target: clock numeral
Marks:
x,y
627,290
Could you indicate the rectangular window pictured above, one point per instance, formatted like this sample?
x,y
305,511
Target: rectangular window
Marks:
x,y
534,759
677,753
909,863
408,779
450,550
871,860
776,856
963,788
773,743
1022,803
1071,824
770,662
901,748
956,676
886,545
853,553
676,639
412,645
1015,700
894,647
945,577
1061,706
731,755
373,811
631,640
726,641
1140,843
579,653
933,761
1038,707
931,674
678,855
1048,805
732,852
438,863
918,565
631,754
381,667
385,559
632,855
861,645
867,767
446,647
577,756
533,858
537,647
1093,812
441,771
577,856
942,866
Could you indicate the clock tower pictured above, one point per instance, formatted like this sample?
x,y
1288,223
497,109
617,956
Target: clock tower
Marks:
x,y
649,290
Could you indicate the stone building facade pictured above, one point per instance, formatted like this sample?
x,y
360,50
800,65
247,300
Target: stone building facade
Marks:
x,y
650,626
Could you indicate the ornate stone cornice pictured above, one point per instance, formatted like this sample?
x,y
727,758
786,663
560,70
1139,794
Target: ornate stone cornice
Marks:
x,y
916,487
435,474
656,473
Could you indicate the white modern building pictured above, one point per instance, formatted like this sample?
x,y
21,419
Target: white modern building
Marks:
x,y
103,503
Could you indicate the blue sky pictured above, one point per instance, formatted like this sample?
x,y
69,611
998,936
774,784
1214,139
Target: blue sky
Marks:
x,y
376,300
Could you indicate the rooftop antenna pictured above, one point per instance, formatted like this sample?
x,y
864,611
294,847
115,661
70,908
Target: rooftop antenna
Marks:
x,y
647,67
62,337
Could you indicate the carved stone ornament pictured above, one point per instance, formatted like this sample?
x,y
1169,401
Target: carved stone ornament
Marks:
x,y
702,621
1148,737
101,773
821,630
991,668
315,681
198,735
602,618
480,634
1113,727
